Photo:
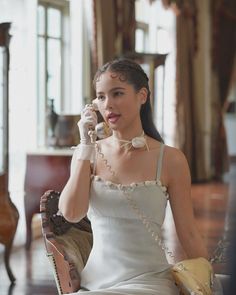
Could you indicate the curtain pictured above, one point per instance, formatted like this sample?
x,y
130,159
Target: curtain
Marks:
x,y
114,29
191,133
185,96
204,147
192,99
104,28
223,55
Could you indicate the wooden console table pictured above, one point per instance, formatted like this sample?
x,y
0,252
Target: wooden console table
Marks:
x,y
8,212
45,169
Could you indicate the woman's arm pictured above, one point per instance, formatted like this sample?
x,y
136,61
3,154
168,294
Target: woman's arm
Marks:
x,y
74,199
179,188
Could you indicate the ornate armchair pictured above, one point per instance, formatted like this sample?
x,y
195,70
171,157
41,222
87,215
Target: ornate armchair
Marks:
x,y
67,244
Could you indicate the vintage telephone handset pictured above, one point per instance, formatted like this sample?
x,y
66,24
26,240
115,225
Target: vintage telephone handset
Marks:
x,y
101,130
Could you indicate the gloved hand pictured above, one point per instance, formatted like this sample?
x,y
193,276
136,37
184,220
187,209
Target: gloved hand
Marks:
x,y
86,149
88,121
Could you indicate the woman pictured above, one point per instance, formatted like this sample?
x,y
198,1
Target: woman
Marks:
x,y
125,195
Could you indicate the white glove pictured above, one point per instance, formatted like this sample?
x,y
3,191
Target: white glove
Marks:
x,y
88,121
86,150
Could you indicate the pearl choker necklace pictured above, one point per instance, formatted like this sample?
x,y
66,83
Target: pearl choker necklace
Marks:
x,y
136,142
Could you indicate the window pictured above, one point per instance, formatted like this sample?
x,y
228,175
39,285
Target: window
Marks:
x,y
52,55
142,26
155,33
141,37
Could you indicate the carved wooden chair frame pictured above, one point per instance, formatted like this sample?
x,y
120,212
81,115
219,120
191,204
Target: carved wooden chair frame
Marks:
x,y
54,225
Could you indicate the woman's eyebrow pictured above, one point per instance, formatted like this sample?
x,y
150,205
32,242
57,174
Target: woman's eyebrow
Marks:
x,y
112,89
117,88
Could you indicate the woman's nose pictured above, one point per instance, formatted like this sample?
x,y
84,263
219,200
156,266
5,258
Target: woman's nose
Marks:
x,y
108,103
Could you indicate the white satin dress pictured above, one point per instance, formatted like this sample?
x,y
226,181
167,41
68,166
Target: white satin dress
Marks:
x,y
125,259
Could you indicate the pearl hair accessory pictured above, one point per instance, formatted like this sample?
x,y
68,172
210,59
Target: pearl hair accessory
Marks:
x,y
136,142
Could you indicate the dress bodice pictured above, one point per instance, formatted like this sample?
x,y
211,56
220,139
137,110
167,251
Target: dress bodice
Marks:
x,y
123,248
107,199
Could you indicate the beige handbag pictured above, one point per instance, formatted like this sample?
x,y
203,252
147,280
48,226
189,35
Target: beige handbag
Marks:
x,y
192,276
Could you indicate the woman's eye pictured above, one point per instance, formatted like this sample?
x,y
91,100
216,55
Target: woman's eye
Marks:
x,y
101,97
118,93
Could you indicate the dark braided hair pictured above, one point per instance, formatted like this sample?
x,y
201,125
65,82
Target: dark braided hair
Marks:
x,y
132,73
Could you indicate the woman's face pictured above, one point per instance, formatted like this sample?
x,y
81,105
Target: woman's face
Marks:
x,y
118,102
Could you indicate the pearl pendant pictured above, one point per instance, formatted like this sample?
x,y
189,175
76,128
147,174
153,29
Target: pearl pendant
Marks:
x,y
138,142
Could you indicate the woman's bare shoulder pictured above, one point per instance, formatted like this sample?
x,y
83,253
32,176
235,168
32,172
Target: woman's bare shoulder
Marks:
x,y
174,155
176,163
